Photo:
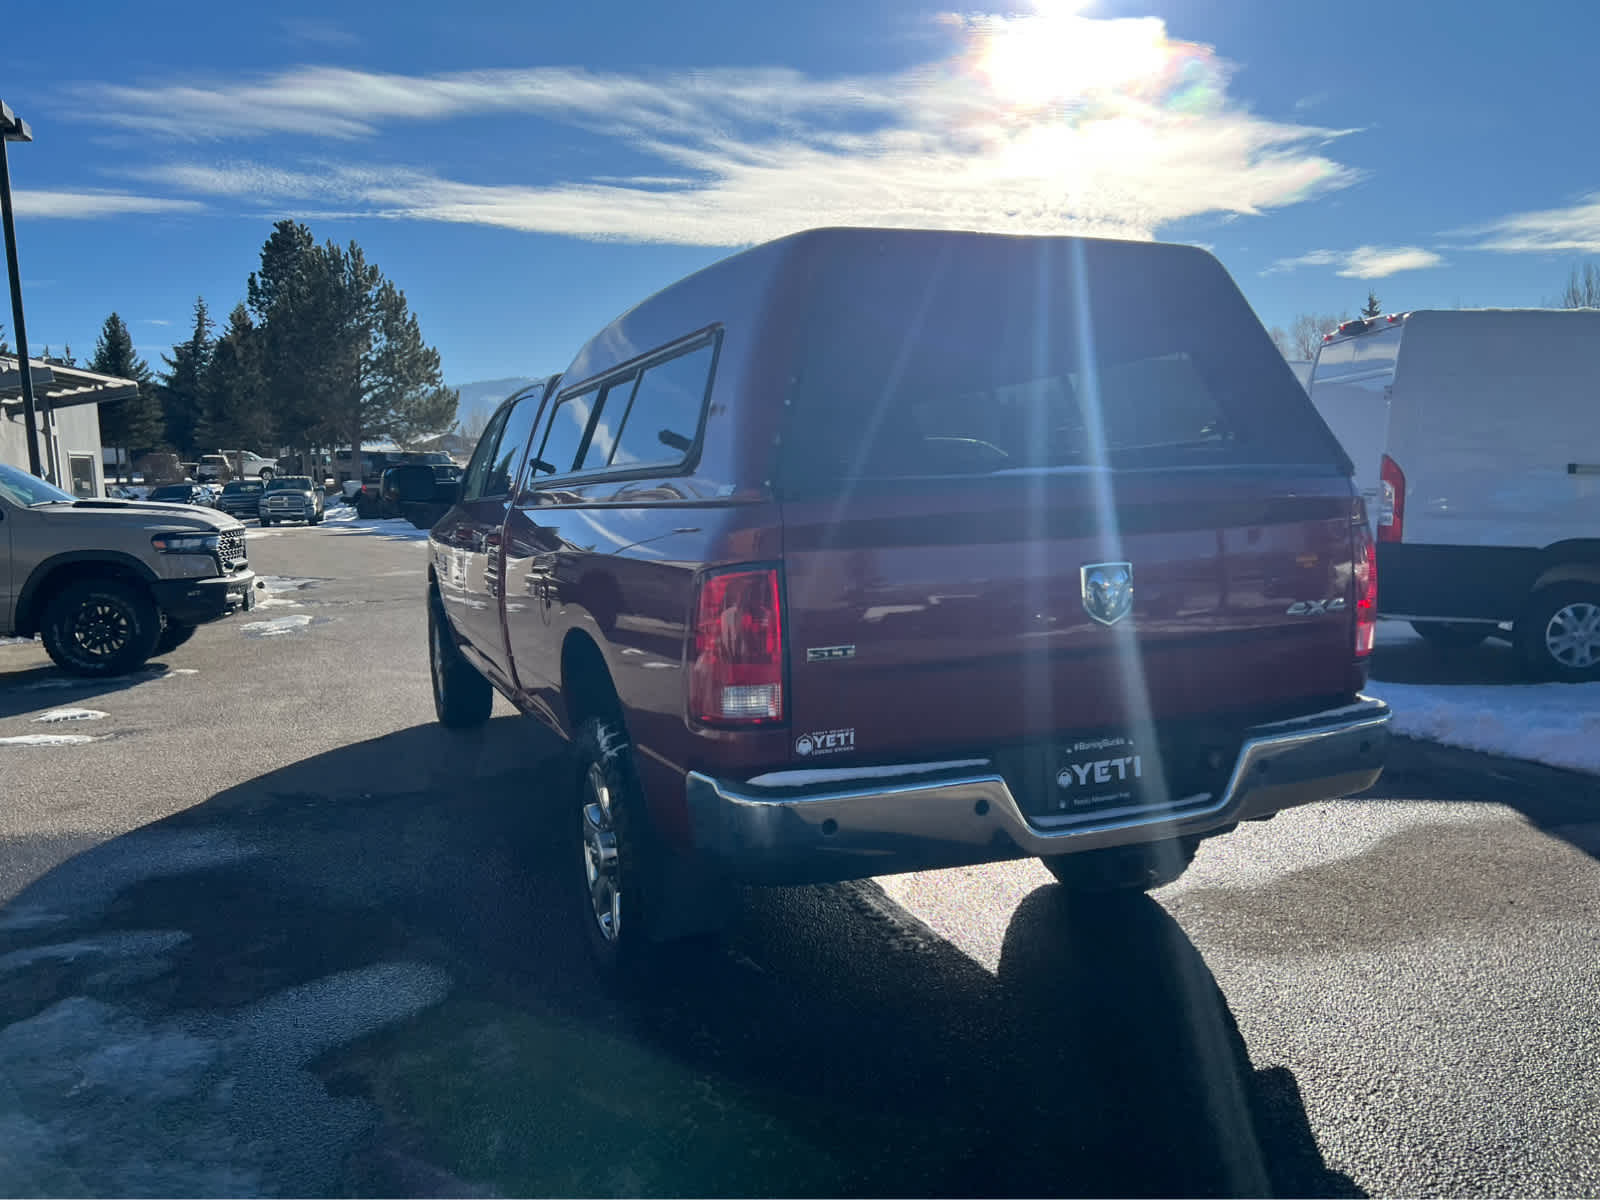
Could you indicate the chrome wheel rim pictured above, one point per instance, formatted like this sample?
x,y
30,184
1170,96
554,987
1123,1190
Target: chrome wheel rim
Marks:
x,y
600,855
101,629
1572,637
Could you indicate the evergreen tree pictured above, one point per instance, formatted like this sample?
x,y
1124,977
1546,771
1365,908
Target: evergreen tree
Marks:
x,y
404,392
182,390
67,359
294,341
237,410
5,345
134,424
1372,308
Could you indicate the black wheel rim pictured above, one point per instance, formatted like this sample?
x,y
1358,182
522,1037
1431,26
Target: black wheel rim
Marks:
x,y
100,629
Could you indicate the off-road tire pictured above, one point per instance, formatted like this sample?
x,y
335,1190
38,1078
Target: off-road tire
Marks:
x,y
462,698
117,615
1123,868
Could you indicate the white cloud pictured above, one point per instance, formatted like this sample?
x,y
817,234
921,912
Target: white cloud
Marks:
x,y
1052,123
154,321
1575,228
1364,262
82,206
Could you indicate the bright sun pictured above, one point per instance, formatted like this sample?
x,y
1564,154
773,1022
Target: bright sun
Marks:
x,y
1059,55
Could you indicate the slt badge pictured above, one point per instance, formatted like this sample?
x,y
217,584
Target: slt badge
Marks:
x,y
1107,590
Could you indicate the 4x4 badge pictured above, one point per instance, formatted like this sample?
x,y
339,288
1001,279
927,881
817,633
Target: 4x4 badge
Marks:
x,y
1107,590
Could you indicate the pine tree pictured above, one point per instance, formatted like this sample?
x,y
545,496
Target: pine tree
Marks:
x,y
182,388
237,411
294,340
405,394
1372,308
133,424
5,345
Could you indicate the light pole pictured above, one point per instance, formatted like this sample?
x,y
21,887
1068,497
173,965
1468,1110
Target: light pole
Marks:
x,y
14,129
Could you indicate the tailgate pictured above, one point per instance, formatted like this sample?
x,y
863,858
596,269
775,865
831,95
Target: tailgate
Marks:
x,y
928,622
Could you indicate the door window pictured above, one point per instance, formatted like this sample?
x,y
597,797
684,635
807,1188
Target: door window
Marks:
x,y
478,467
506,462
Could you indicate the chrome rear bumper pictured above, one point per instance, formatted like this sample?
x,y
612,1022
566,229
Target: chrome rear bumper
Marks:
x,y
847,829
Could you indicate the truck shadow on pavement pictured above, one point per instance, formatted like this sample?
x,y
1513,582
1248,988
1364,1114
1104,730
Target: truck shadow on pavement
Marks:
x,y
1555,801
364,974
36,689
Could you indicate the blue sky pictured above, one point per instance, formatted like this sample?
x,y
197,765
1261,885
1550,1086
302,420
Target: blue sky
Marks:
x,y
526,171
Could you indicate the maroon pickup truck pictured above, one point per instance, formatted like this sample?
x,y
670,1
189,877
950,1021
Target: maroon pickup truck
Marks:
x,y
869,551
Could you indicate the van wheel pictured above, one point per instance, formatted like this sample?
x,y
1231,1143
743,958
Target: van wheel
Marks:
x,y
1123,868
1448,635
462,698
1558,636
634,895
100,627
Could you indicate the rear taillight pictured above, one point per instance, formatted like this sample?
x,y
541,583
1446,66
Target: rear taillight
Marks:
x,y
1366,588
736,674
1391,501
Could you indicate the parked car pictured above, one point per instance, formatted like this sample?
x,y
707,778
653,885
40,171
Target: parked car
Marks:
x,y
291,498
225,464
106,584
182,493
1476,439
439,484
242,498
861,552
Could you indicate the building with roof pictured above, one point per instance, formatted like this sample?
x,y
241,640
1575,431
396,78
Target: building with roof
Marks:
x,y
68,400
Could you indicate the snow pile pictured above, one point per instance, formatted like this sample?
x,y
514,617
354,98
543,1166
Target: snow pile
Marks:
x,y
48,739
70,714
1555,723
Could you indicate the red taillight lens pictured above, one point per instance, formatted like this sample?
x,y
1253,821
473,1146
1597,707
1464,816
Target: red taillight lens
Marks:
x,y
736,675
1391,501
1366,589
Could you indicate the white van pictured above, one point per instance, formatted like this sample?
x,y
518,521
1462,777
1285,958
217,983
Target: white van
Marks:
x,y
1476,441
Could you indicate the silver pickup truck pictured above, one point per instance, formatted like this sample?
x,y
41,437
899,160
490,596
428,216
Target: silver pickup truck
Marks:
x,y
108,583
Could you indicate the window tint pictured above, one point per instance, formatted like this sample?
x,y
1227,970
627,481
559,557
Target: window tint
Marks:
x,y
664,418
508,456
472,487
564,436
614,399
969,358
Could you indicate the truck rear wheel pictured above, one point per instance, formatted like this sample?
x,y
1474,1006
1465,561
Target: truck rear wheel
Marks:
x,y
1558,636
1123,868
462,698
635,894
100,627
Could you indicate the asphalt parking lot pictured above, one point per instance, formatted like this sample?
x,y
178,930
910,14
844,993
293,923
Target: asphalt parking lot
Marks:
x,y
267,929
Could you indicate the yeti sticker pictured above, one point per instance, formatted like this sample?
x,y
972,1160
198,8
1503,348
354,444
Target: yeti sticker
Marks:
x,y
828,741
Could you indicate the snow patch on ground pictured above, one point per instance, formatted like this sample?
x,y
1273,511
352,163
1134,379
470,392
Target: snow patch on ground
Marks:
x,y
48,739
1554,723
108,1100
276,627
16,641
70,714
279,589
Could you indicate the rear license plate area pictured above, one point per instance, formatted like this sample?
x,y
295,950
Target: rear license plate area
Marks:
x,y
1084,777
